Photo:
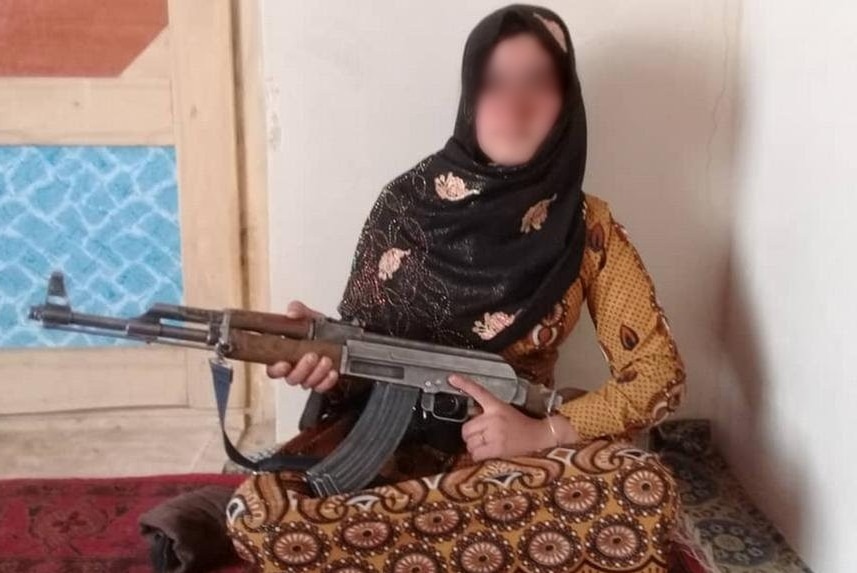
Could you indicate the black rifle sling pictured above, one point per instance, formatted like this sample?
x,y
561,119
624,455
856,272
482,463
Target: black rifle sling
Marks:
x,y
356,460
221,376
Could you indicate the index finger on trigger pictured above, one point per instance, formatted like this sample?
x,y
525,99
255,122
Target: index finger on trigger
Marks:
x,y
484,398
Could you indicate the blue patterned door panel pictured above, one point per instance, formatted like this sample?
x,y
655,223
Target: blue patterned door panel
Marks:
x,y
106,216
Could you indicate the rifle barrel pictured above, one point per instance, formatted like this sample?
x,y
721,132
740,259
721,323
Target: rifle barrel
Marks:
x,y
64,318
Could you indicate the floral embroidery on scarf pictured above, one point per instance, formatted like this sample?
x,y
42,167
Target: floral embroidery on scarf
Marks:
x,y
536,215
452,188
491,324
555,29
390,262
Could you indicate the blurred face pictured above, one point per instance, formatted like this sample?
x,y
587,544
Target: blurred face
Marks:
x,y
519,101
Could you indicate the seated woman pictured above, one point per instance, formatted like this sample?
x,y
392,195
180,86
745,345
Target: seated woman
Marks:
x,y
492,244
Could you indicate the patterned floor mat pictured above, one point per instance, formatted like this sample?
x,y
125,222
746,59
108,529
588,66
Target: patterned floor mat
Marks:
x,y
728,533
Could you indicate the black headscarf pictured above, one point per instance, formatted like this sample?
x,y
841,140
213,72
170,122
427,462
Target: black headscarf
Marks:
x,y
463,252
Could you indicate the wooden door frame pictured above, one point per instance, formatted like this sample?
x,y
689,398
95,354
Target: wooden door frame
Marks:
x,y
202,76
252,137
203,90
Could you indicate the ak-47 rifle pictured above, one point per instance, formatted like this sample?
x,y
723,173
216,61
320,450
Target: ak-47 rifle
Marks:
x,y
408,376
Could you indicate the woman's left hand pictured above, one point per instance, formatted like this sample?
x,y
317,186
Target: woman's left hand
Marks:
x,y
500,430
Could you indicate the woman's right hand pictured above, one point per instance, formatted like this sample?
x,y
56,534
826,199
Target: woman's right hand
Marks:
x,y
310,372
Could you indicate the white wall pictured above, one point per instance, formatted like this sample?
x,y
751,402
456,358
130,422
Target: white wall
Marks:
x,y
723,134
788,391
360,91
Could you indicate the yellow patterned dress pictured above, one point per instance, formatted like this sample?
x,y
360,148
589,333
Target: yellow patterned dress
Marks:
x,y
597,505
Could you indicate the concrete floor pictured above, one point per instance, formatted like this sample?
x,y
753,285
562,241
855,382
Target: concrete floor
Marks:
x,y
126,442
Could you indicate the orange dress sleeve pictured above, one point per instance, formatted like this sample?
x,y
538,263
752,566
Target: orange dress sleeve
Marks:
x,y
647,376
